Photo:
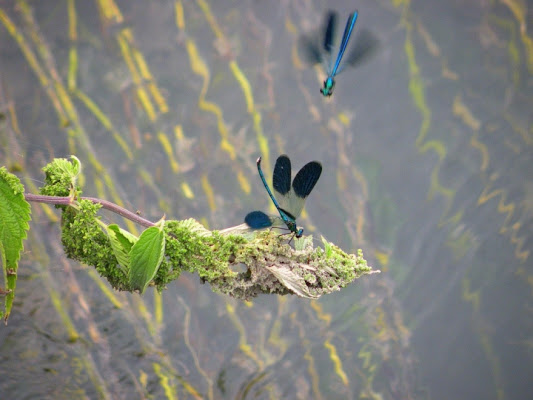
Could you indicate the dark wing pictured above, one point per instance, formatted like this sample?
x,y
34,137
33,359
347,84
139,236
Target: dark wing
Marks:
x,y
258,220
329,31
306,179
281,180
366,43
304,182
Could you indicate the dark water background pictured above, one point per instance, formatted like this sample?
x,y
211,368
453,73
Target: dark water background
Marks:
x,y
427,155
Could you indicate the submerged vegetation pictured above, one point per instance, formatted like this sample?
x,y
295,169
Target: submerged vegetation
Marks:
x,y
168,104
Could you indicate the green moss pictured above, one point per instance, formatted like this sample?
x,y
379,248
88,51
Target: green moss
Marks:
x,y
270,264
191,248
84,240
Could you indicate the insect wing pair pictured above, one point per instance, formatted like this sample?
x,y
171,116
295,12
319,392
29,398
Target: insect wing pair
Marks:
x,y
288,199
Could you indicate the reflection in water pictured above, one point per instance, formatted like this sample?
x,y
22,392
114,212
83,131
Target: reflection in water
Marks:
x,y
168,104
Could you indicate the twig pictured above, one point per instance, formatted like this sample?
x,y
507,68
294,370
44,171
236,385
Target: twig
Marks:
x,y
66,201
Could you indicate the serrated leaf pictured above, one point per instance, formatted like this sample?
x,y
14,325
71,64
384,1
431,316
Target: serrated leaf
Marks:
x,y
65,167
61,176
14,218
121,241
146,256
194,226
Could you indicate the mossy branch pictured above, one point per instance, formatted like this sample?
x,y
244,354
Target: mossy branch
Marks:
x,y
235,261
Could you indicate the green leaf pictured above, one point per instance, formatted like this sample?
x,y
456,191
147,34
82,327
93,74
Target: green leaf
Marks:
x,y
121,241
61,176
14,218
328,250
146,256
61,167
